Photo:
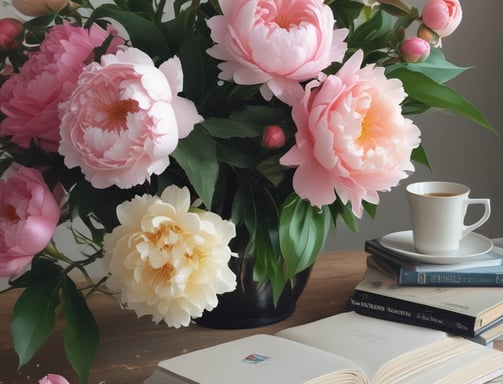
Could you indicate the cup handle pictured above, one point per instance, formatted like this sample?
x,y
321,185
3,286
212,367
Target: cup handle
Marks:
x,y
487,212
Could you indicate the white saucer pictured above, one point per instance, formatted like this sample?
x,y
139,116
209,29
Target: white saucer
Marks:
x,y
470,247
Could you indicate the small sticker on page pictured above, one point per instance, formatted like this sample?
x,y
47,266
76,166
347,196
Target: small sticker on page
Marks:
x,y
255,358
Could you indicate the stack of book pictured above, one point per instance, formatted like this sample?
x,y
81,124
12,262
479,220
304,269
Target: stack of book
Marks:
x,y
463,298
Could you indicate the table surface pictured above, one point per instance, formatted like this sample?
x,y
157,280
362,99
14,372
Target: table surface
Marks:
x,y
130,348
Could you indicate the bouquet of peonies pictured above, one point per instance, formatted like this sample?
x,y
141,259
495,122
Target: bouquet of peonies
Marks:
x,y
169,145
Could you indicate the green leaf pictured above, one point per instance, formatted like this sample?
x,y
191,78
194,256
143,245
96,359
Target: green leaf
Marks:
x,y
227,128
259,114
419,156
370,208
34,317
41,270
143,33
81,336
436,67
192,60
338,208
303,230
425,90
371,35
196,154
238,153
272,169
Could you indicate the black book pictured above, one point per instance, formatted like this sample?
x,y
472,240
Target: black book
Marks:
x,y
462,310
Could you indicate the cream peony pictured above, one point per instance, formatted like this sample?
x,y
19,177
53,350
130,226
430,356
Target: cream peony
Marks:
x,y
167,260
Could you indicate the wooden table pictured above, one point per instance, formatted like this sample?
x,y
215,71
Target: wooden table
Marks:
x,y
130,348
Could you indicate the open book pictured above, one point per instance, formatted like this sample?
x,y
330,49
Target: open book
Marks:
x,y
344,348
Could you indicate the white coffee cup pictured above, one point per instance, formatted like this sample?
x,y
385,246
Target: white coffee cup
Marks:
x,y
438,211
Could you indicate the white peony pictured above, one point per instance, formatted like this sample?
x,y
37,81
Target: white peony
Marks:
x,y
167,261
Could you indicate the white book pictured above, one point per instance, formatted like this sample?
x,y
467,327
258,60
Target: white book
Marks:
x,y
344,348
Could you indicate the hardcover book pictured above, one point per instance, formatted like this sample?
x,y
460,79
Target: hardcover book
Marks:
x,y
489,276
344,348
463,310
493,258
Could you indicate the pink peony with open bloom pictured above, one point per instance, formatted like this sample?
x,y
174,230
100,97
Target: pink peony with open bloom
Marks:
x,y
30,98
124,119
29,214
351,137
277,43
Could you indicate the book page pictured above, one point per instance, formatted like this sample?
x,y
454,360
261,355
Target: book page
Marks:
x,y
262,359
367,341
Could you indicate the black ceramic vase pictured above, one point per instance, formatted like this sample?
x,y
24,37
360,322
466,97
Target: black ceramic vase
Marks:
x,y
250,304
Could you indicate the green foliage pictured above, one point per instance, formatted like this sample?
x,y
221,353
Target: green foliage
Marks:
x,y
197,156
34,317
81,336
436,67
303,230
142,32
422,88
35,313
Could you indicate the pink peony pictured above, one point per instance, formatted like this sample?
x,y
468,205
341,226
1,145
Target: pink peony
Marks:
x,y
30,99
29,214
125,118
277,43
9,30
53,379
442,16
351,137
414,49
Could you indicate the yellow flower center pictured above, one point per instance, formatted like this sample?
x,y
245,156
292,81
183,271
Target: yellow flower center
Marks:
x,y
162,275
365,139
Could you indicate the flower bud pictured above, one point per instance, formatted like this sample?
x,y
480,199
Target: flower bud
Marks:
x,y
414,49
9,29
442,16
36,8
53,379
273,137
428,35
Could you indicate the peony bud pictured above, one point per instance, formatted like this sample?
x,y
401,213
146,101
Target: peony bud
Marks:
x,y
442,16
414,49
428,35
39,7
53,379
9,29
273,137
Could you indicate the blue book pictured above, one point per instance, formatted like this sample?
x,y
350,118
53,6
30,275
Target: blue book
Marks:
x,y
486,271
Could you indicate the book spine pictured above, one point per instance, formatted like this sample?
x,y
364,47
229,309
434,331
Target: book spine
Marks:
x,y
373,247
388,308
449,279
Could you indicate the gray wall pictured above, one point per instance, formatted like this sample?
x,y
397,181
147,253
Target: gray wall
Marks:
x,y
458,149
